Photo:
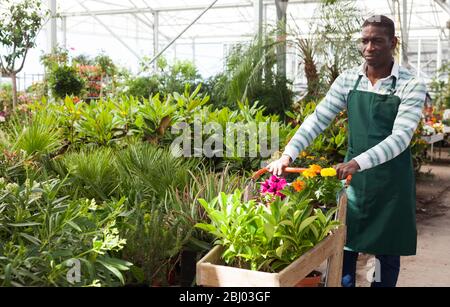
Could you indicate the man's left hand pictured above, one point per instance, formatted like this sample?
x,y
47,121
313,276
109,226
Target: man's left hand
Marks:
x,y
345,169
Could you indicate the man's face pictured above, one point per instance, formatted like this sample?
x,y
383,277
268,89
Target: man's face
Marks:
x,y
376,46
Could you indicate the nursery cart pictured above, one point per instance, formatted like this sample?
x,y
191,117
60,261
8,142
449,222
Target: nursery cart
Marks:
x,y
211,271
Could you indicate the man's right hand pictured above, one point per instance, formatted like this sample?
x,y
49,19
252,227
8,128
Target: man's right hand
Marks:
x,y
277,167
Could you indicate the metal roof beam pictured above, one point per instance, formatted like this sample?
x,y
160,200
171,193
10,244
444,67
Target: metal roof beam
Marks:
x,y
177,9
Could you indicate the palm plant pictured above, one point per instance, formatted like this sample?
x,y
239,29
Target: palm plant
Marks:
x,y
307,54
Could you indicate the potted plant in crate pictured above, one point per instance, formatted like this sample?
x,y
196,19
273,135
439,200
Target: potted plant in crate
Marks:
x,y
271,234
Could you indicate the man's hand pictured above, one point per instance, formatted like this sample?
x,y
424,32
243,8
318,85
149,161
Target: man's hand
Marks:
x,y
345,169
276,167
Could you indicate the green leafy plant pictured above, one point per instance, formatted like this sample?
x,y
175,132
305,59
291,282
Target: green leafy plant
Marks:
x,y
44,234
100,124
64,81
142,87
331,144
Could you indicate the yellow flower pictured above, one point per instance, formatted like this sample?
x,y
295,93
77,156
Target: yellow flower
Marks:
x,y
309,173
315,168
303,154
310,157
323,158
328,172
299,185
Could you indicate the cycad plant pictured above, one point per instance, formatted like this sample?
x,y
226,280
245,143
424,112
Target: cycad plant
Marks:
x,y
146,170
93,172
37,135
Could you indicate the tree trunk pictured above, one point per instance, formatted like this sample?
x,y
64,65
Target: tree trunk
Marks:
x,y
14,90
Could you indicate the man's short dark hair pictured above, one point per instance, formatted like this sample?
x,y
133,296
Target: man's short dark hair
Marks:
x,y
381,21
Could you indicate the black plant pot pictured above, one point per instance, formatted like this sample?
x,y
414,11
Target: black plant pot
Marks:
x,y
188,268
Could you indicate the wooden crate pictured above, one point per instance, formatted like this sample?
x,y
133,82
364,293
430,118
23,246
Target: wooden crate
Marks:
x,y
211,271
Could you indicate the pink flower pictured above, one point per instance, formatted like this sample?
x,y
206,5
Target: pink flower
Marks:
x,y
273,185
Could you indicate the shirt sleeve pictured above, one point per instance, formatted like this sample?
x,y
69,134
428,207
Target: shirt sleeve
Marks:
x,y
323,115
406,121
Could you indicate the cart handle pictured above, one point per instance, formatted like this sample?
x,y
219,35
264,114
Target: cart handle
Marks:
x,y
299,170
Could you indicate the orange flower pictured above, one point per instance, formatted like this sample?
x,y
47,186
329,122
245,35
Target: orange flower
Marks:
x,y
299,185
315,168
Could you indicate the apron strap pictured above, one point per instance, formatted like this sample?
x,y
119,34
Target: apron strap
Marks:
x,y
357,83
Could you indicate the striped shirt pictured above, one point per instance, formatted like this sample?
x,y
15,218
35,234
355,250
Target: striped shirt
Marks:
x,y
409,89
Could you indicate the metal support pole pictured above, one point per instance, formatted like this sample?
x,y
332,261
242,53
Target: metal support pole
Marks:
x,y
258,4
174,52
438,56
155,37
419,51
405,35
53,39
193,50
182,32
64,31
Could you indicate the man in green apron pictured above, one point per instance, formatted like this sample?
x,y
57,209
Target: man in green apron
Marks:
x,y
384,103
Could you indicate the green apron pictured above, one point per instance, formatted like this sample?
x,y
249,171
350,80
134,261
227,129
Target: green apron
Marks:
x,y
381,201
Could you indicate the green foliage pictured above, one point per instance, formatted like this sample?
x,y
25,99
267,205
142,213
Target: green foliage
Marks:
x,y
142,86
64,81
58,57
168,78
330,145
441,88
43,234
5,95
266,238
101,124
250,75
418,148
336,26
